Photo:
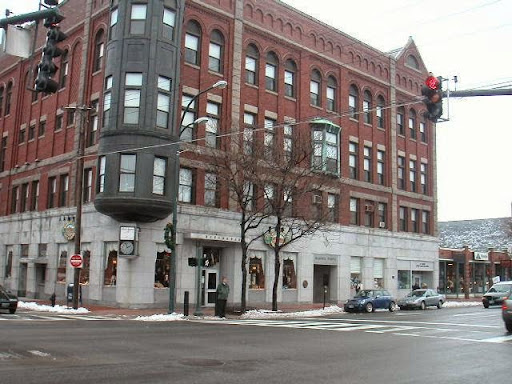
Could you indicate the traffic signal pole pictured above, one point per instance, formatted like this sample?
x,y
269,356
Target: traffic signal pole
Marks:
x,y
26,17
479,92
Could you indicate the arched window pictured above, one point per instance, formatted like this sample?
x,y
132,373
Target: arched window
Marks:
x,y
216,52
8,97
331,93
353,101
271,72
412,62
400,113
251,65
1,100
367,107
64,68
380,112
290,71
315,87
192,43
99,50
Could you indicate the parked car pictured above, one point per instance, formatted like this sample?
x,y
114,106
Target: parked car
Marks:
x,y
8,300
497,293
422,298
506,312
369,300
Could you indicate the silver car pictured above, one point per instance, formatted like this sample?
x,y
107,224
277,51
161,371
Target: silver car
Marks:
x,y
422,298
506,312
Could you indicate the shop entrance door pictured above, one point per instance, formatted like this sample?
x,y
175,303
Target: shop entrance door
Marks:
x,y
211,277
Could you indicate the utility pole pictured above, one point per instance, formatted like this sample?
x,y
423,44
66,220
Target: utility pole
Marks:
x,y
479,92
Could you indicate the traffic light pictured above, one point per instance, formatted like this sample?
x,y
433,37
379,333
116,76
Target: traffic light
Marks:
x,y
433,97
47,68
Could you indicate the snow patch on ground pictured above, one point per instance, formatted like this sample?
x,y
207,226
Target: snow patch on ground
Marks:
x,y
266,314
48,308
458,304
164,317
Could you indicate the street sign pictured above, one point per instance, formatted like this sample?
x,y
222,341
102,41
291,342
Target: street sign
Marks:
x,y
76,261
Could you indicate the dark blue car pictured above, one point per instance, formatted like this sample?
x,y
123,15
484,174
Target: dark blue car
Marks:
x,y
368,300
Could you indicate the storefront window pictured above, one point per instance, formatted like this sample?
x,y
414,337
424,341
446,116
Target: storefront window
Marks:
x,y
256,275
289,273
162,269
61,269
378,273
84,273
477,273
110,277
355,274
404,279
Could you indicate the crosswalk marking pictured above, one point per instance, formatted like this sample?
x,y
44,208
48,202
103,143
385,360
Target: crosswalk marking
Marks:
x,y
57,317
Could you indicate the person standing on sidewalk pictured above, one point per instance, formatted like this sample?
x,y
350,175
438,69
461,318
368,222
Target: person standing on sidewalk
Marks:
x,y
222,297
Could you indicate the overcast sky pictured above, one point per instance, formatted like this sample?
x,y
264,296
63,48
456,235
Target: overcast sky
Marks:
x,y
469,39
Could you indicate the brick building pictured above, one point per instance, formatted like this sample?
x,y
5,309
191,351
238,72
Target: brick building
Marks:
x,y
129,70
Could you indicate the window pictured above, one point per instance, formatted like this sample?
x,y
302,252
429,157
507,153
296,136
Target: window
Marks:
x,y
354,211
367,164
162,269
355,274
43,250
401,172
369,214
169,23
52,192
92,129
64,68
188,104
21,137
269,138
99,50
289,272
24,198
248,196
332,207
289,78
107,98
331,94
367,107
15,199
288,202
84,272
31,132
210,190
8,265
400,112
380,112
412,123
8,98
402,217
114,14
423,131
216,52
138,19
87,186
58,122
71,117
63,190
101,178
133,83
425,222
382,214
256,272
2,100
127,173
353,101
414,220
271,72
378,273
412,175
423,178
412,62
251,65
110,275
42,128
34,196
352,160
159,169
185,186
404,279
326,147
381,166
314,88
212,126
192,43
288,141
61,267
249,125
163,107
3,153
268,198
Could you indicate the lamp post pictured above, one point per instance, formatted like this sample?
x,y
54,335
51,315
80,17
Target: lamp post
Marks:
x,y
174,254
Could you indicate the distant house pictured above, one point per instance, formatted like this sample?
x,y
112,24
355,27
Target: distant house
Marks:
x,y
472,253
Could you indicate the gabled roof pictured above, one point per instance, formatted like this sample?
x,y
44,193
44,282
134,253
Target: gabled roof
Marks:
x,y
478,235
410,48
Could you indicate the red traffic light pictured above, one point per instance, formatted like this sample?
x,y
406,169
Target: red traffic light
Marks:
x,y
432,82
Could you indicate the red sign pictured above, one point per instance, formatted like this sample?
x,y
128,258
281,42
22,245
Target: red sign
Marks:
x,y
76,261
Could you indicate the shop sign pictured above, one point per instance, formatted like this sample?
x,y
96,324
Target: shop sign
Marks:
x,y
484,256
205,236
325,259
423,266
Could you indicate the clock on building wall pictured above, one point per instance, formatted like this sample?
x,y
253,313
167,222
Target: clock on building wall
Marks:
x,y
127,238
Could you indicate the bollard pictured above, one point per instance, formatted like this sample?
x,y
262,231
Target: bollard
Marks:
x,y
52,299
185,304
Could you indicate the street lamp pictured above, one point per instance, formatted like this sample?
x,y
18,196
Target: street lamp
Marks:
x,y
174,254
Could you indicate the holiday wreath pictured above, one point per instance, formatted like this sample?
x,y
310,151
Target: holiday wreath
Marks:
x,y
168,235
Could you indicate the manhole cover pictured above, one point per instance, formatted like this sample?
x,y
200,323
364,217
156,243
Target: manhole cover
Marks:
x,y
201,362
